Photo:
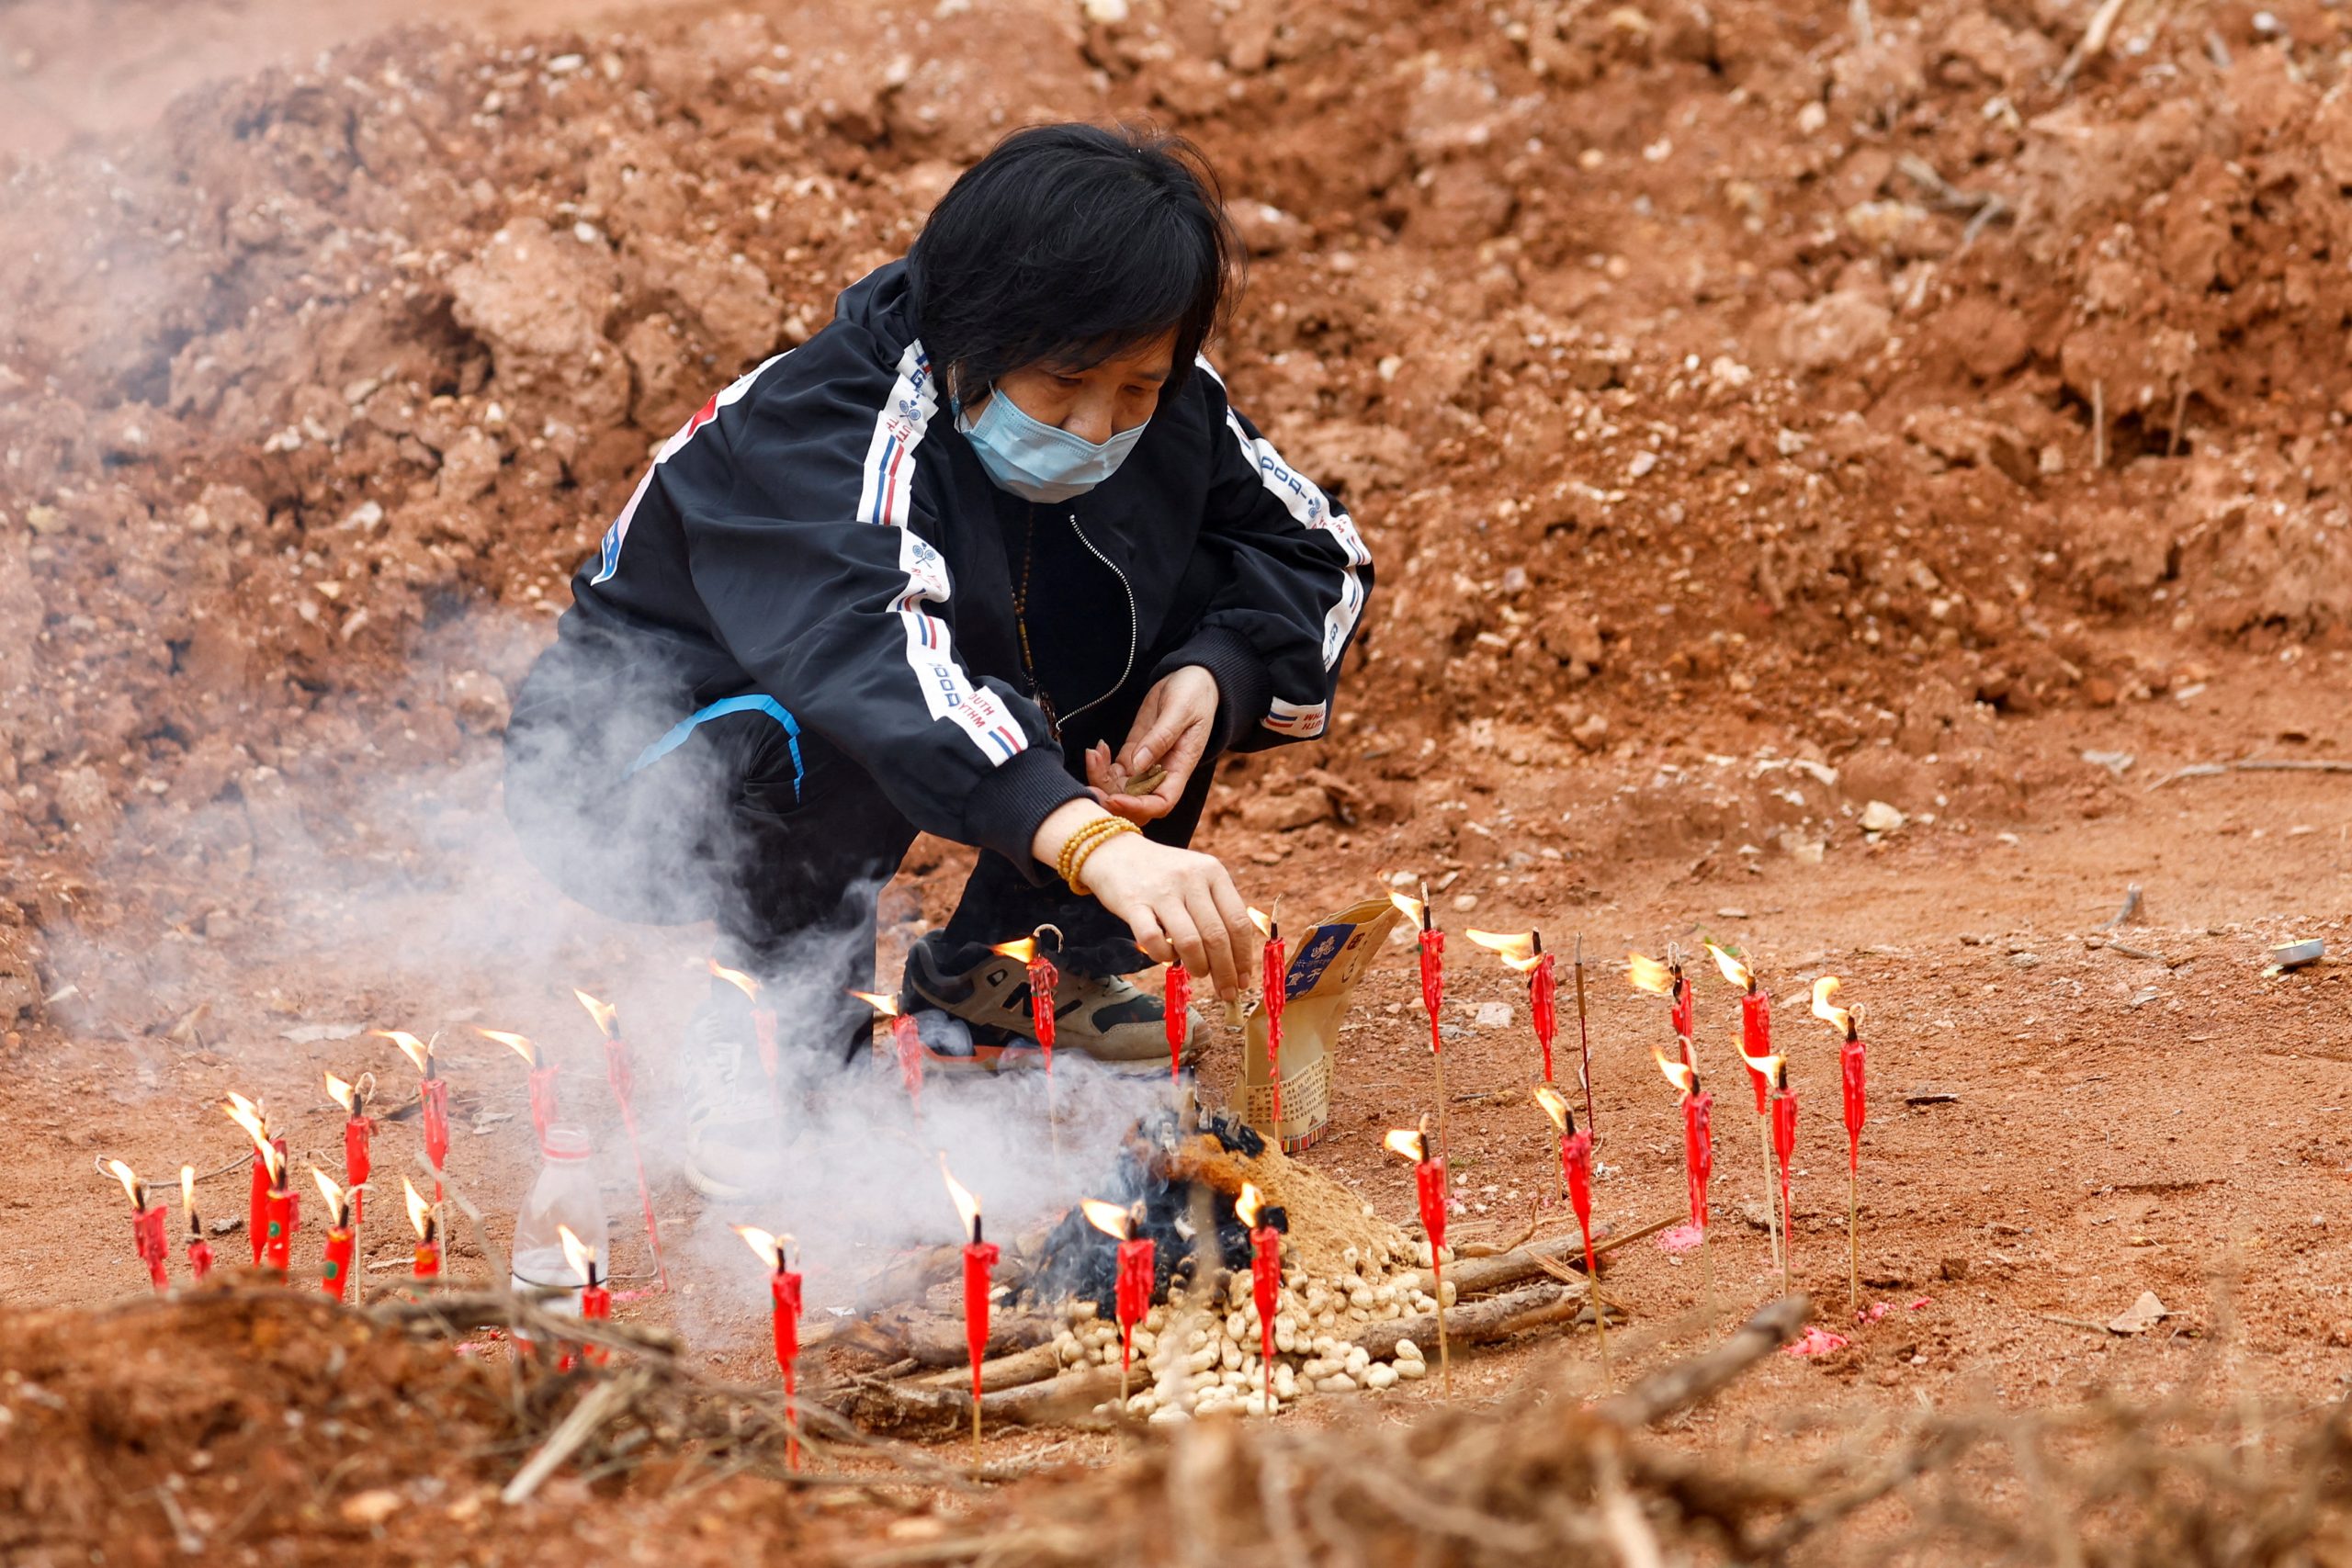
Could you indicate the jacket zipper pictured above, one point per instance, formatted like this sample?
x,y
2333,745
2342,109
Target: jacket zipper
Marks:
x,y
1134,627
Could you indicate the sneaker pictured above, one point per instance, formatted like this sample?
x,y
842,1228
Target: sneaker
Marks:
x,y
732,1119
1108,1019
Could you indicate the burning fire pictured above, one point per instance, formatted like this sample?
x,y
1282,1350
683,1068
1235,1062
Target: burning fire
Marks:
x,y
1774,1069
967,1206
187,1198
1021,951
352,1097
1247,1207
132,1187
1681,1075
1111,1220
1844,1020
1521,950
1262,920
248,1114
1414,909
520,1045
606,1015
879,1002
772,1249
338,1199
736,978
420,1212
1556,1106
1649,974
579,1254
1409,1143
417,1051
1737,972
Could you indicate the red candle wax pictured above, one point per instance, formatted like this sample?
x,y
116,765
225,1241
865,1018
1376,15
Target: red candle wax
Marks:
x,y
1042,977
1273,986
596,1307
1433,982
147,1236
1429,1188
426,1262
357,1160
1266,1289
784,1289
980,1258
907,1035
257,1206
543,1100
1541,1003
1699,1151
433,1096
1683,1014
1784,1145
199,1258
335,1276
1133,1297
1575,1168
1849,1072
1178,997
278,1219
1755,1036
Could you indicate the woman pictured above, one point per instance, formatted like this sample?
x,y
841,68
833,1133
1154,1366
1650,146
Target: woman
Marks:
x,y
990,557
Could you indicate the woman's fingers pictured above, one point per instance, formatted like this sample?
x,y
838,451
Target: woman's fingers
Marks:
x,y
1148,936
1184,937
1215,941
1240,930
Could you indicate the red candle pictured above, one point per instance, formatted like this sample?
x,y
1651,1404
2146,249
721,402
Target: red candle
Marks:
x,y
980,1258
335,1270
1683,1015
357,1132
1273,988
433,1100
199,1251
1784,1148
146,1224
763,1016
1030,952
906,1038
1429,1193
1575,1166
249,1114
1432,955
1522,952
1849,1078
1698,1134
279,1214
1178,997
619,1074
1134,1293
426,1262
784,1296
1665,979
541,1076
595,1298
1754,1022
1265,1278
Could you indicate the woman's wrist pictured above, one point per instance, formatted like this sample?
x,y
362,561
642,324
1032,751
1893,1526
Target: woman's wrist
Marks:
x,y
1060,824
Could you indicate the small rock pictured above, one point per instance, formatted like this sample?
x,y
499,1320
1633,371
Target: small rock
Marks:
x,y
480,700
371,1508
1466,902
1590,733
1494,1015
2026,960
1878,817
2140,1317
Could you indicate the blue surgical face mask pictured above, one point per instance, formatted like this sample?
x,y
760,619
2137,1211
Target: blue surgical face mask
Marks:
x,y
1041,462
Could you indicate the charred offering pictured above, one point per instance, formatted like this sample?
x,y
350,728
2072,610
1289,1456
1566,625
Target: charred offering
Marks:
x,y
1081,1261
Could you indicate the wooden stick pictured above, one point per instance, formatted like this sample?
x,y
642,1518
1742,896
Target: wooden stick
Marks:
x,y
1686,1383
1771,1209
1481,1276
576,1428
1853,1244
1584,1045
1478,1323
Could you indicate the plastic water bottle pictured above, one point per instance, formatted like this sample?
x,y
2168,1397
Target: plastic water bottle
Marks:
x,y
565,1194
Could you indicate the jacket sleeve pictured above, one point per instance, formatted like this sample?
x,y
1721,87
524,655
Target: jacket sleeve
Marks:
x,y
801,545
1293,584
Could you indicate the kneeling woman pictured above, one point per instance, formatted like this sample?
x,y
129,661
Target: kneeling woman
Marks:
x,y
991,557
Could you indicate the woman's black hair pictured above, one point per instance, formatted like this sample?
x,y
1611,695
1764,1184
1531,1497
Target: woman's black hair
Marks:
x,y
1070,243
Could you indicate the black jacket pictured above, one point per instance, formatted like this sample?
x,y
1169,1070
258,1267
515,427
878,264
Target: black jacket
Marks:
x,y
820,533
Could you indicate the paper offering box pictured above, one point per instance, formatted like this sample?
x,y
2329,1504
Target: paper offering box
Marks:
x,y
1326,961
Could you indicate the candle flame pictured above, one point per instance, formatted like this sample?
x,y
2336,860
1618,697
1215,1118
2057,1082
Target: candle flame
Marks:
x,y
520,1045
343,1094
1252,1203
736,978
1737,972
132,1187
967,1205
883,1005
1408,1144
1842,1020
1262,920
1109,1218
607,1016
337,1200
579,1254
1022,951
1523,950
415,1050
187,1198
1774,1069
420,1212
1556,1106
1412,910
1681,1075
1649,974
248,1115
253,1108
771,1249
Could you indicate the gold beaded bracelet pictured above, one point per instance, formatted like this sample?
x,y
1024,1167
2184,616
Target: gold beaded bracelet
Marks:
x,y
1089,839
1092,829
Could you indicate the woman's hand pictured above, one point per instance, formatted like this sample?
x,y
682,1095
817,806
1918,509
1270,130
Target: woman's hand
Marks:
x,y
1179,904
1171,730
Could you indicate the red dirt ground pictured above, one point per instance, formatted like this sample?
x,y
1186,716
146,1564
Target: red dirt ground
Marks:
x,y
1731,460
